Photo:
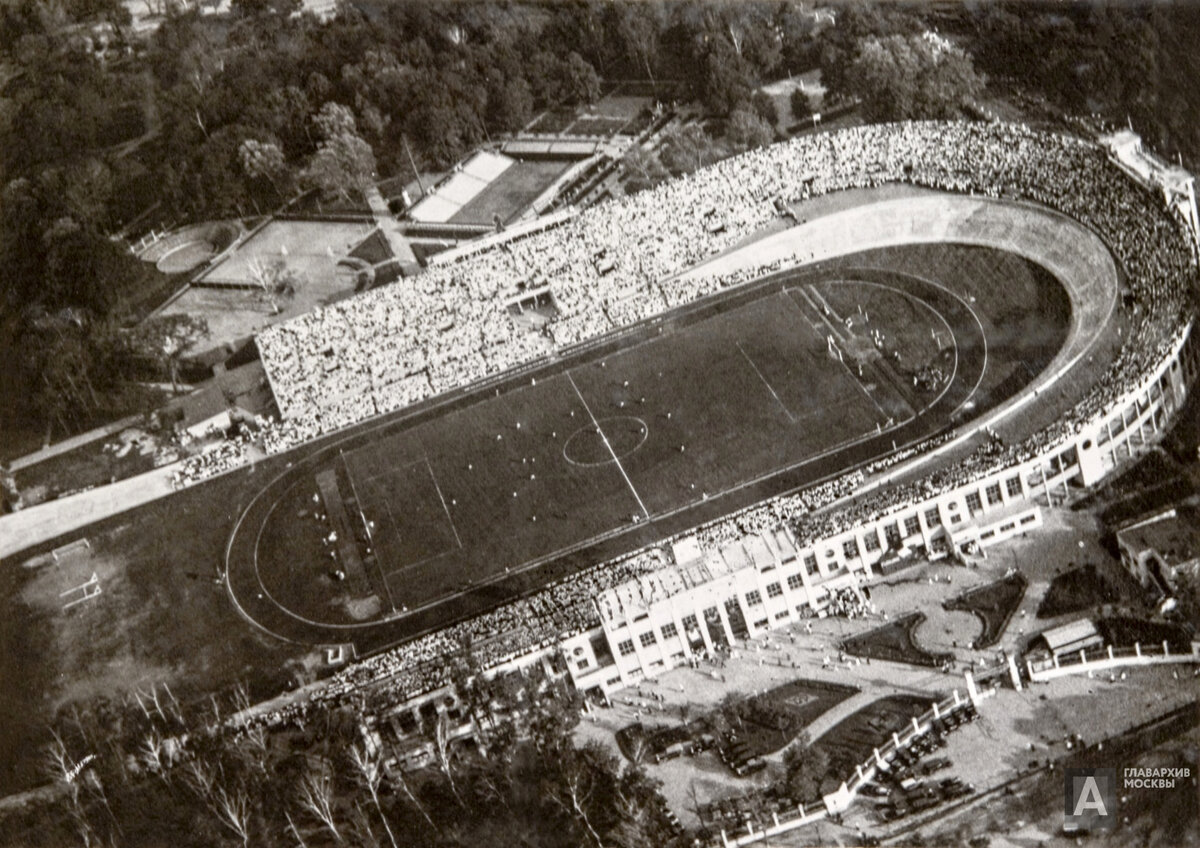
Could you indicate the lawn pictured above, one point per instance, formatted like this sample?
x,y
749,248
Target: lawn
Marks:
x,y
160,618
993,604
853,739
1124,632
758,725
895,642
1075,590
510,193
766,723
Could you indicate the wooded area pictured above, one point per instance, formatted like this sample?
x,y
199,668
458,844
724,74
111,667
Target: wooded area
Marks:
x,y
214,117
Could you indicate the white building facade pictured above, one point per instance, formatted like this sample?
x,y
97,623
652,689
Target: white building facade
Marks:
x,y
748,587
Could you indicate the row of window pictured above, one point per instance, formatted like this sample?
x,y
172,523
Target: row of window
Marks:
x,y
912,527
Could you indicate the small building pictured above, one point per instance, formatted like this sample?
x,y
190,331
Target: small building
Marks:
x,y
1159,547
237,394
1070,638
204,412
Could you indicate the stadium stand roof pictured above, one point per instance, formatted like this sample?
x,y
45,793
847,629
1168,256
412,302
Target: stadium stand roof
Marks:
x,y
448,197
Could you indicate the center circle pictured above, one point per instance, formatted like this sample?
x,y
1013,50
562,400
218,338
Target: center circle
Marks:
x,y
588,446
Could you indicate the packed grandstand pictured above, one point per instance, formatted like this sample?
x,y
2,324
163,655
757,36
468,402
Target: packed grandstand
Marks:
x,y
616,264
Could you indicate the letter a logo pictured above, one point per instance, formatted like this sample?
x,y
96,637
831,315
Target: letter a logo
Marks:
x,y
1090,799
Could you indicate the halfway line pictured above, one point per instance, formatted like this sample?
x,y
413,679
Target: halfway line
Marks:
x,y
782,405
611,452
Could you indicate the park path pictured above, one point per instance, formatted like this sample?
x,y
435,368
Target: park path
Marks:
x,y
70,444
21,530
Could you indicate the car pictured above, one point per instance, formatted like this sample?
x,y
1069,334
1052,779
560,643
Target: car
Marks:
x,y
931,766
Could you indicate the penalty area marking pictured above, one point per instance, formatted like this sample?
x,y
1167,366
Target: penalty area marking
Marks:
x,y
817,309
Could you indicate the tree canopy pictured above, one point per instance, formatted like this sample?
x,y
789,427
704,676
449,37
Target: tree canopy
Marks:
x,y
899,77
323,783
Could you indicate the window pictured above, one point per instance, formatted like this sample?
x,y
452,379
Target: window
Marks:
x,y
810,564
1029,519
626,647
871,540
583,663
795,581
762,622
753,598
892,532
647,639
1014,487
993,494
912,526
781,615
774,590
669,630
932,518
974,503
850,548
690,623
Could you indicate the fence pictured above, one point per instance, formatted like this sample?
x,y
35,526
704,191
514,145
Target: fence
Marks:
x,y
841,800
1108,657
1100,659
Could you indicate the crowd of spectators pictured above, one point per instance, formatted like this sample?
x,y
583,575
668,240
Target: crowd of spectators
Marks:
x,y
217,457
539,621
620,262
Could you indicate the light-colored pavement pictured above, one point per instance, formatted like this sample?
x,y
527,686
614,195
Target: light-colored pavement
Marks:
x,y
29,527
74,442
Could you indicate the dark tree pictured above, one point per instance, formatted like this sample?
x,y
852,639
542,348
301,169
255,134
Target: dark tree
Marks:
x,y
915,76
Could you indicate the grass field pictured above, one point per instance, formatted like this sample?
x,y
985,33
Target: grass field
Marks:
x,y
522,475
512,192
895,642
490,493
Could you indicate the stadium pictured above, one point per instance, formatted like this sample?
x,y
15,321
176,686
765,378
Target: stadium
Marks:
x,y
715,405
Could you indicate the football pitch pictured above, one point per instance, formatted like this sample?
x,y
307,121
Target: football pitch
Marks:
x,y
479,496
523,474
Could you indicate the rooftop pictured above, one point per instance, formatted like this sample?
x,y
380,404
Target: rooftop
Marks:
x,y
1174,534
635,597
